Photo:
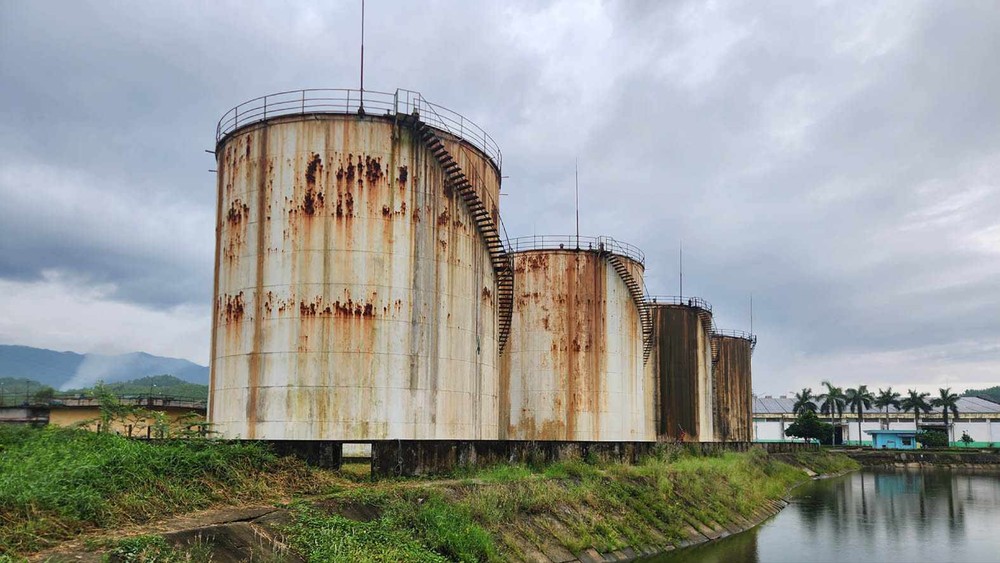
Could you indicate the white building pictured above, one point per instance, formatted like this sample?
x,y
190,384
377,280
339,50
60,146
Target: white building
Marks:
x,y
980,418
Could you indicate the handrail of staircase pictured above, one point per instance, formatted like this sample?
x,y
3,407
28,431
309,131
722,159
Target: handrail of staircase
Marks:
x,y
350,101
501,229
679,300
451,122
573,242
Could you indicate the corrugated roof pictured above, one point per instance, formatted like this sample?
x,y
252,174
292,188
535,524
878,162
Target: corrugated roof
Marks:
x,y
784,405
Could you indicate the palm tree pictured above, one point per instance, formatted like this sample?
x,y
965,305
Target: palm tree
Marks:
x,y
833,401
948,401
885,399
858,400
804,401
915,402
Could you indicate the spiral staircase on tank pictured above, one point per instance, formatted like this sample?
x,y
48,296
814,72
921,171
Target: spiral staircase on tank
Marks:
x,y
708,323
457,180
638,294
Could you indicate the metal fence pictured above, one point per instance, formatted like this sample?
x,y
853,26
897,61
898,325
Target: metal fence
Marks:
x,y
678,300
573,242
350,101
738,334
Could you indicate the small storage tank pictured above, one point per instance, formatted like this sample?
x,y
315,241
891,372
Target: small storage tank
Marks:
x,y
733,385
573,366
359,288
681,365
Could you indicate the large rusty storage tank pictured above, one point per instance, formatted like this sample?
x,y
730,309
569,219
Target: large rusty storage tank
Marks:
x,y
359,280
573,366
681,365
733,385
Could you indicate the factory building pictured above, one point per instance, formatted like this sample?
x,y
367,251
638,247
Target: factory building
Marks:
x,y
680,364
978,417
573,366
365,290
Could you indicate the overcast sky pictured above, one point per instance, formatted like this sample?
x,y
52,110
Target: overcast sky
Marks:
x,y
839,161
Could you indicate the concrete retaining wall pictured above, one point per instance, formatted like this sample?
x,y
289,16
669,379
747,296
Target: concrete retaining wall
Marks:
x,y
394,458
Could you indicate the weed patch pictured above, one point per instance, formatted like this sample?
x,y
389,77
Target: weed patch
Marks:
x,y
57,482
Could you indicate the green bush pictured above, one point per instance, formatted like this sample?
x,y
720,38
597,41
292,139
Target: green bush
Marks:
x,y
932,439
810,427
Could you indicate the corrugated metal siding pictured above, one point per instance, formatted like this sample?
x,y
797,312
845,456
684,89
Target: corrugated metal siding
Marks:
x,y
733,390
784,405
572,369
355,298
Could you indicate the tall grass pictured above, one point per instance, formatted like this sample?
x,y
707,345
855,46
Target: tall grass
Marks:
x,y
56,482
414,525
577,504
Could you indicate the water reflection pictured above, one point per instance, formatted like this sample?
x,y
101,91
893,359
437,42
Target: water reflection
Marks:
x,y
878,515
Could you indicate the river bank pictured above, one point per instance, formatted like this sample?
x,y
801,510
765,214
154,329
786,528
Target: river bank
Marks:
x,y
970,459
276,509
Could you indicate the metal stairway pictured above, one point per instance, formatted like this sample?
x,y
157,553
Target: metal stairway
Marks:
x,y
639,297
486,224
709,325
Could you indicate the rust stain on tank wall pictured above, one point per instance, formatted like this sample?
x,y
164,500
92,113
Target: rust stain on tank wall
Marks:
x,y
733,389
253,406
678,347
348,308
231,307
313,199
373,170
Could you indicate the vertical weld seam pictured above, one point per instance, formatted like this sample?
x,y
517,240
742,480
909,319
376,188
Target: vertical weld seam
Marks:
x,y
258,326
215,289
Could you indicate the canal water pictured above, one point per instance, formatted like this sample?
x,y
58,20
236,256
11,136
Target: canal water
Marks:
x,y
909,515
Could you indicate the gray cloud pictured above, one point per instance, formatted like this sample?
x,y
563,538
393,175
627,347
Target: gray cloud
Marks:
x,y
837,161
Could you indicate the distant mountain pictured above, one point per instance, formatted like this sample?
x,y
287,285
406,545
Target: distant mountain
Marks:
x,y
65,370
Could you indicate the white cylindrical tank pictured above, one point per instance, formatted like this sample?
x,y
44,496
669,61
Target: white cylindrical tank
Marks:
x,y
573,366
355,297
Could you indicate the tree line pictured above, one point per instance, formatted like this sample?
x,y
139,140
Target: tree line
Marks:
x,y
835,400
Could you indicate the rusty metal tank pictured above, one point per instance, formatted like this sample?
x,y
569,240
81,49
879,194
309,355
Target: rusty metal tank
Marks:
x,y
681,365
356,284
733,385
573,366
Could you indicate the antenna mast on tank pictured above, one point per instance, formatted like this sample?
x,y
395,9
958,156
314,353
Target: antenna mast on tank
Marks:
x,y
682,269
361,108
751,313
576,171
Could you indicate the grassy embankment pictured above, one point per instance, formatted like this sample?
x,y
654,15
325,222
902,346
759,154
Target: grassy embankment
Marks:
x,y
57,484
